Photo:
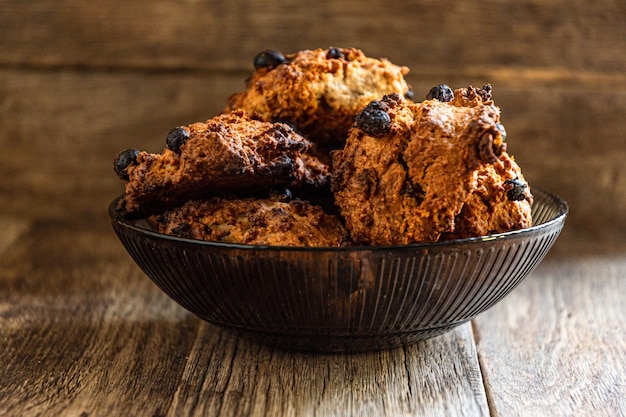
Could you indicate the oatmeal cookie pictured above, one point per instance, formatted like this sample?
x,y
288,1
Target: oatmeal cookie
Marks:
x,y
255,221
318,91
408,169
230,154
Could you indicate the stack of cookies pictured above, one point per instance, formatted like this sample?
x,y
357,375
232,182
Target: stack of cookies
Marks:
x,y
328,148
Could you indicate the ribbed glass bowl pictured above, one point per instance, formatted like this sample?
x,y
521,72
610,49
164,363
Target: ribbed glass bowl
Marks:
x,y
342,299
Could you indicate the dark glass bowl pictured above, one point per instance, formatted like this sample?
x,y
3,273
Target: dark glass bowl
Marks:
x,y
342,299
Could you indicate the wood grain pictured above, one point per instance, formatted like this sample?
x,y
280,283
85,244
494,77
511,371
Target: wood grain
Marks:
x,y
62,129
217,35
84,332
434,378
10,230
557,342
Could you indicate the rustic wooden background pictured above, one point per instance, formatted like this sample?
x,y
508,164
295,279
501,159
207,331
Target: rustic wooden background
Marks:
x,y
80,81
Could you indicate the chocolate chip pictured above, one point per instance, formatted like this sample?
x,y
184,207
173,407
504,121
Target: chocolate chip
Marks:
x,y
440,92
515,189
123,160
269,59
374,119
334,53
176,138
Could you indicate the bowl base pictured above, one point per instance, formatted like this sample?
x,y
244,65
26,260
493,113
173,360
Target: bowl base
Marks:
x,y
339,343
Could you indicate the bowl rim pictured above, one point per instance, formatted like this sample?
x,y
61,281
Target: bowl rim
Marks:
x,y
561,205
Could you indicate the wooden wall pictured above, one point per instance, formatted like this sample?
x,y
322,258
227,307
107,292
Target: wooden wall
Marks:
x,y
80,81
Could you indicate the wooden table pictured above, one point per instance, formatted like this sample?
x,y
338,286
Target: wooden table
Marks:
x,y
84,333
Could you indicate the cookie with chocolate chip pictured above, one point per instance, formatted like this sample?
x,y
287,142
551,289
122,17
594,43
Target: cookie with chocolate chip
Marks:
x,y
318,91
230,154
408,179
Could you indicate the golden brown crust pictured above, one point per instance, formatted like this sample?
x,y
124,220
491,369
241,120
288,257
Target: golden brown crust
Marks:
x,y
320,93
254,221
407,181
402,172
232,153
489,209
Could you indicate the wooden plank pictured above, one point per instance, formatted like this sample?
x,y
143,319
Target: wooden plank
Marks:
x,y
83,332
10,230
433,378
211,35
555,346
61,131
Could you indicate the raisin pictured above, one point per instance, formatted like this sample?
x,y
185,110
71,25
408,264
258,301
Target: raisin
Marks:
x,y
515,189
269,59
334,53
123,160
176,138
440,92
374,119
